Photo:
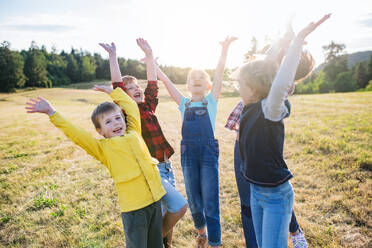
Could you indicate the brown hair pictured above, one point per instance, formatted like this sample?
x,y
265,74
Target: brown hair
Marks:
x,y
127,79
102,109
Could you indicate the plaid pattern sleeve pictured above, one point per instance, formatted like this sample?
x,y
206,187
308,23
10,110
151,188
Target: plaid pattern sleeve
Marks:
x,y
151,94
233,120
118,84
151,130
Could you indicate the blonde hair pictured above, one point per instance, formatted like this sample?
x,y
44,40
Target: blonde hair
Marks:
x,y
127,79
305,66
258,74
203,74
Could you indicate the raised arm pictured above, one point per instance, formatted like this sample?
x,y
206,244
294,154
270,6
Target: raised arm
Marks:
x,y
151,91
277,49
218,76
171,88
149,59
78,135
114,65
126,103
274,105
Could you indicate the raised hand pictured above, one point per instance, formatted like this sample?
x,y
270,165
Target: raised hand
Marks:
x,y
103,88
144,45
111,49
226,43
39,105
311,27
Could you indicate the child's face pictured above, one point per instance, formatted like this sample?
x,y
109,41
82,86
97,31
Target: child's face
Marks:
x,y
198,84
112,124
247,93
134,91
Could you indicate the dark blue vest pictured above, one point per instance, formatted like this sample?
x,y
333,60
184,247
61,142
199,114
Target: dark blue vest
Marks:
x,y
261,147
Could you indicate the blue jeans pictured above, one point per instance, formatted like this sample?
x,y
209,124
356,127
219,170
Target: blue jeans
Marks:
x,y
199,160
172,201
245,198
271,210
200,171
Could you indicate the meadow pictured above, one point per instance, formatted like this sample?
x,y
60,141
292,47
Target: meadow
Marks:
x,y
53,194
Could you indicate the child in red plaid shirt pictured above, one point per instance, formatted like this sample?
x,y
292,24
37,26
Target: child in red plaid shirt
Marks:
x,y
174,205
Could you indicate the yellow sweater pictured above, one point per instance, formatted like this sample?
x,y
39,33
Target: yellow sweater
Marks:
x,y
134,171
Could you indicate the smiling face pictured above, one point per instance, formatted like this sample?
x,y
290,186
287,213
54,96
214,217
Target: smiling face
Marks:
x,y
198,82
111,124
134,91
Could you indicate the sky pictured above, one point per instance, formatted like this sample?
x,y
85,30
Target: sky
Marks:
x,y
181,33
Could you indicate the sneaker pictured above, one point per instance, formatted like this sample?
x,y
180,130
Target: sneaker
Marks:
x,y
299,240
201,240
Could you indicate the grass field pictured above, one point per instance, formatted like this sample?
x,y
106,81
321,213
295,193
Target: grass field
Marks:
x,y
52,194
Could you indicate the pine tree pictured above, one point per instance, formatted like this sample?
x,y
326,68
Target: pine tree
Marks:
x,y
72,69
35,67
11,69
360,75
88,68
369,68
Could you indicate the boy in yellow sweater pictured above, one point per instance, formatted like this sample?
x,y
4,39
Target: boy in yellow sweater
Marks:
x,y
125,154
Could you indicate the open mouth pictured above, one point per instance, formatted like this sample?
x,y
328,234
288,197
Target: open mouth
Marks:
x,y
137,95
118,130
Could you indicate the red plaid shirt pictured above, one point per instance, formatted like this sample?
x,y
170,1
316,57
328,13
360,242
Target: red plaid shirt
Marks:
x,y
233,120
151,130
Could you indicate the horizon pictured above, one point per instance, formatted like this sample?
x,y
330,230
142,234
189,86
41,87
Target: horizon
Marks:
x,y
182,34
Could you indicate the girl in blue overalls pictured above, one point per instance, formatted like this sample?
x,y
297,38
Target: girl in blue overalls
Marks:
x,y
199,148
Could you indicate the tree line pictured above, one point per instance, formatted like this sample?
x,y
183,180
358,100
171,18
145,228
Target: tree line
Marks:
x,y
36,67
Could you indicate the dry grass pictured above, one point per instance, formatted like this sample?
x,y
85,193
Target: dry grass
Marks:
x,y
52,194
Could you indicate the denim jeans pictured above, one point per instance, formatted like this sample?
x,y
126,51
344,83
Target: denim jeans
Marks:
x,y
271,211
199,160
172,201
245,198
201,183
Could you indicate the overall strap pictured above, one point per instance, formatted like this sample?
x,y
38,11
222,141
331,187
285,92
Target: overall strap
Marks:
x,y
187,104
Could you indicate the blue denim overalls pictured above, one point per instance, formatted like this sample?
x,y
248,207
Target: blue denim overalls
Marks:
x,y
199,160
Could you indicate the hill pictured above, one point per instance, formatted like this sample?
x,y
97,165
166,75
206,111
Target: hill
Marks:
x,y
352,59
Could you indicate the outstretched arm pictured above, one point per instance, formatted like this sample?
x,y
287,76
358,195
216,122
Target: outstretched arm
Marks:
x,y
78,135
114,65
171,88
218,76
274,107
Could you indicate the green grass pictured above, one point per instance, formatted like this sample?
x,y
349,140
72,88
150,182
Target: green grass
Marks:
x,y
52,194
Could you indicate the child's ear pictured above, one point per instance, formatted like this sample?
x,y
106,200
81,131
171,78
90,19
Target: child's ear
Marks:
x,y
99,130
